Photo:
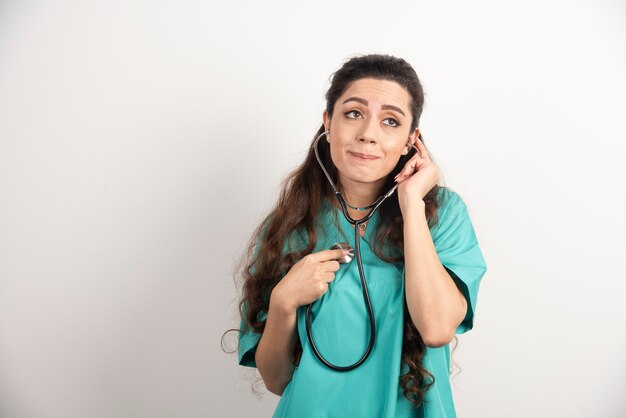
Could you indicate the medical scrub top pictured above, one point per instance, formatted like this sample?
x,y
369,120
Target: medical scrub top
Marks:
x,y
340,326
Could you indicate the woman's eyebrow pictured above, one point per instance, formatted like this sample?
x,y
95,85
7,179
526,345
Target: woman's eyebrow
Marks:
x,y
392,107
365,102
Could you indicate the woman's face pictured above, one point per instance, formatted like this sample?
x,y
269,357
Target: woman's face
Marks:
x,y
369,129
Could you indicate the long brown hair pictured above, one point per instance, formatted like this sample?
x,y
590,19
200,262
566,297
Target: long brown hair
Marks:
x,y
295,213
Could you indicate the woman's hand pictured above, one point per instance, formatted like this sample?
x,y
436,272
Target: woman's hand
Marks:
x,y
417,178
307,280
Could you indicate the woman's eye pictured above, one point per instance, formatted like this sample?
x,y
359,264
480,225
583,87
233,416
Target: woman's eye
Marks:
x,y
353,114
391,122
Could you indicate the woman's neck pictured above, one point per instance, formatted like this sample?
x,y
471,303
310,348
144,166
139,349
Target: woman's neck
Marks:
x,y
359,194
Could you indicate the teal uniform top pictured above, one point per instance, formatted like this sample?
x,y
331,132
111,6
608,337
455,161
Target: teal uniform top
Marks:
x,y
340,326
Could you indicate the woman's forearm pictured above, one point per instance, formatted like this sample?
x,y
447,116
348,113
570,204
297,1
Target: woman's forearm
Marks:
x,y
435,303
274,354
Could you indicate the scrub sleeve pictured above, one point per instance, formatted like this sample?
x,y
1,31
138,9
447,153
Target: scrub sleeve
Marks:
x,y
248,340
459,252
373,389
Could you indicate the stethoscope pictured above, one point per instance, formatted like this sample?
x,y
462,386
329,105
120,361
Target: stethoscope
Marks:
x,y
346,259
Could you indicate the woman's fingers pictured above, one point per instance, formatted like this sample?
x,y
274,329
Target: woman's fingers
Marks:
x,y
420,158
409,168
328,255
332,265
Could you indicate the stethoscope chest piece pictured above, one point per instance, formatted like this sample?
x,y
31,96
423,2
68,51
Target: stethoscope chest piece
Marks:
x,y
344,246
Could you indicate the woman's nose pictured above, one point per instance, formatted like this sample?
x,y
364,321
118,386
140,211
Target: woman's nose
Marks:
x,y
367,139
369,133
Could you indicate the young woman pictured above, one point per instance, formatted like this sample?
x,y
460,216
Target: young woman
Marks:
x,y
418,251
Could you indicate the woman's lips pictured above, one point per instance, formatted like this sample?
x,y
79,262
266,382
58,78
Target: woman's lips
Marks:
x,y
363,156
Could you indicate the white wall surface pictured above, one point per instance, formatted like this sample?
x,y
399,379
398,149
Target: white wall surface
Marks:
x,y
142,141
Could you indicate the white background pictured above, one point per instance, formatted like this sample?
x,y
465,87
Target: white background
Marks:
x,y
141,142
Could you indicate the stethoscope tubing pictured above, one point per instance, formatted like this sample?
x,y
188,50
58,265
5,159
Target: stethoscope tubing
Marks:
x,y
357,245
370,314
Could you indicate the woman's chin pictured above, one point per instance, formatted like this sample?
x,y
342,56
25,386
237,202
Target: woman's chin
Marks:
x,y
365,178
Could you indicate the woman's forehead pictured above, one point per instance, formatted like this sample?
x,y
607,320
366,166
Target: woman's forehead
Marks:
x,y
381,92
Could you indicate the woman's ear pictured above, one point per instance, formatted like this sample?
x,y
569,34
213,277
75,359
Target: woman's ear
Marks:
x,y
410,143
326,119
413,136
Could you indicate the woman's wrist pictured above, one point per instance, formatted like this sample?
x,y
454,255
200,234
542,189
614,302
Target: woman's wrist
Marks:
x,y
412,206
281,304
